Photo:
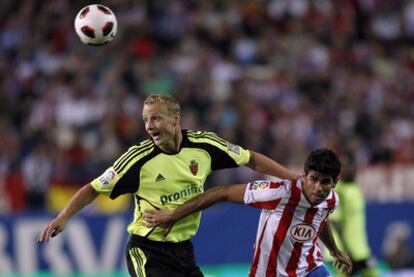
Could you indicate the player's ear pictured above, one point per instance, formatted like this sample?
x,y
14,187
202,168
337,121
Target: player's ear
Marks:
x,y
335,181
176,117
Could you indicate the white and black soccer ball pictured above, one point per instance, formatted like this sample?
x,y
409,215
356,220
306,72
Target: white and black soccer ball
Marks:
x,y
96,25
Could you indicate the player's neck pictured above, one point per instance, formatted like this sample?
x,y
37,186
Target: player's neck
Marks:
x,y
175,143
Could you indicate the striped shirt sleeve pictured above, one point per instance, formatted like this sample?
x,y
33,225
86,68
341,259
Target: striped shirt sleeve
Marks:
x,y
264,194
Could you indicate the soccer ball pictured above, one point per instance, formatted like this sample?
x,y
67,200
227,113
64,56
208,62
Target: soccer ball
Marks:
x,y
96,25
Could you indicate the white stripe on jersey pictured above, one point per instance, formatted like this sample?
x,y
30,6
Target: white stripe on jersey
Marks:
x,y
289,226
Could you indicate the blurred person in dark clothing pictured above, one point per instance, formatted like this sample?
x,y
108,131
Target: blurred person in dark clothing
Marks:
x,y
37,172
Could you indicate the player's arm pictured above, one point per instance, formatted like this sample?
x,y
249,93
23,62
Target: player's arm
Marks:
x,y
83,197
166,218
263,164
342,260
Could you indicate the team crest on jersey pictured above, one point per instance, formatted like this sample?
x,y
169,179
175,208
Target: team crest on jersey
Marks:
x,y
233,148
193,167
259,185
108,177
303,232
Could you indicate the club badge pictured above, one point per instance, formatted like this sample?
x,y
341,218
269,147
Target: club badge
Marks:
x,y
193,167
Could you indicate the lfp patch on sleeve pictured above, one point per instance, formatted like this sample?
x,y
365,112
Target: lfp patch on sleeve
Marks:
x,y
108,178
233,148
260,184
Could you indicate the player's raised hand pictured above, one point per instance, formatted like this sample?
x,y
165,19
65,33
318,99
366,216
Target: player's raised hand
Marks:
x,y
342,261
52,229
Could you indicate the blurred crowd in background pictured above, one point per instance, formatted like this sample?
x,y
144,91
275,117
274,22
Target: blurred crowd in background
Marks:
x,y
280,77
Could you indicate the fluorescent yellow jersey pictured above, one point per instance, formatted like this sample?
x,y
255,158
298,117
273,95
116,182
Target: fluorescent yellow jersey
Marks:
x,y
349,220
160,180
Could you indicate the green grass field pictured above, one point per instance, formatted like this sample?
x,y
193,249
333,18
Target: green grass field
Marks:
x,y
234,270
209,271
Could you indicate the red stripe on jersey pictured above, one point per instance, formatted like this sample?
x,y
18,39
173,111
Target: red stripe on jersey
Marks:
x,y
331,202
310,259
297,248
282,229
274,185
253,269
269,205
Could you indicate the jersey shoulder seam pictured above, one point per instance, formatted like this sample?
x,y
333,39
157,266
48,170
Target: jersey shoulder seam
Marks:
x,y
134,153
206,137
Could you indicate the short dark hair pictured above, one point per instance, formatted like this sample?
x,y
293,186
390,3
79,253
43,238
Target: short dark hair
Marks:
x,y
323,161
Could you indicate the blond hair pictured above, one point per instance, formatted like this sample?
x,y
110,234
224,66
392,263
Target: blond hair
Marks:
x,y
167,99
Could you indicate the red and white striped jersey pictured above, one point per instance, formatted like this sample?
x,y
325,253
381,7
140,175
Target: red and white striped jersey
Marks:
x,y
289,227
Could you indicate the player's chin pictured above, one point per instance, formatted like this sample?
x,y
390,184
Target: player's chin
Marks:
x,y
317,200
